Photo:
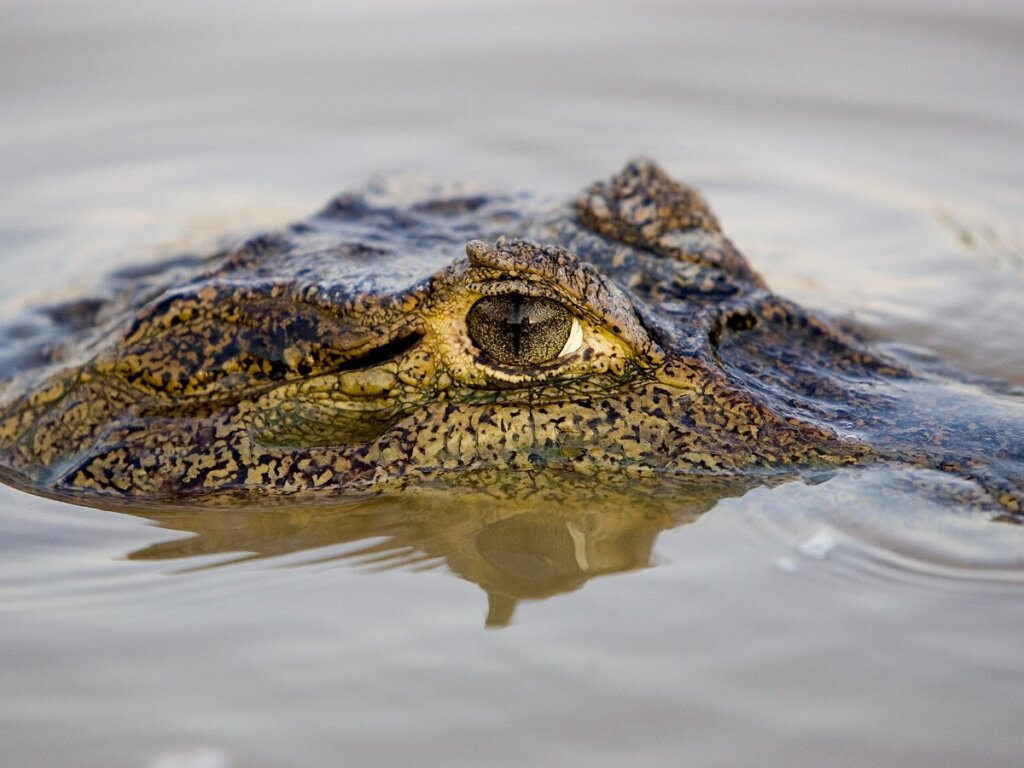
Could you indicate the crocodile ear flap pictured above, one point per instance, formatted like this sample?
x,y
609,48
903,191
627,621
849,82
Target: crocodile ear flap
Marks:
x,y
644,207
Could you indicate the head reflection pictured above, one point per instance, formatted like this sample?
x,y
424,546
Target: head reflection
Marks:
x,y
516,546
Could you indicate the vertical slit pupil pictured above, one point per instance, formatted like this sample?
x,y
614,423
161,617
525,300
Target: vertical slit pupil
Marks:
x,y
519,330
517,319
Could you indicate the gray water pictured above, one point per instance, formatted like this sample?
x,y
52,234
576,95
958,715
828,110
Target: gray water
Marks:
x,y
867,159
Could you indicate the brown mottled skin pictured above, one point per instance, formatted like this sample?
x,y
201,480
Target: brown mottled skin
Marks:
x,y
335,357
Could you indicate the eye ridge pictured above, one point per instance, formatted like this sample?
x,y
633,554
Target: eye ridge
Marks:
x,y
520,330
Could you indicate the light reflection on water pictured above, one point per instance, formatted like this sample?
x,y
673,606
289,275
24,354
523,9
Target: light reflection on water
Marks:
x,y
782,614
514,548
865,157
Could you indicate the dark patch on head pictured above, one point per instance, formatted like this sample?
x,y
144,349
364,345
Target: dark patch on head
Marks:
x,y
741,321
345,206
452,206
75,315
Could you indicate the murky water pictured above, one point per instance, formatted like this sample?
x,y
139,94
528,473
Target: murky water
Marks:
x,y
865,157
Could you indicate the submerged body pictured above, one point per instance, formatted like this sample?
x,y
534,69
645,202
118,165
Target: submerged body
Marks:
x,y
479,339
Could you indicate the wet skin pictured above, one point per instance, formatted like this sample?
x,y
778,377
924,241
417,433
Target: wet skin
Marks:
x,y
481,340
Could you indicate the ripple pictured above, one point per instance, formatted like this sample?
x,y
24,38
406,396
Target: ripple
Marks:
x,y
982,238
896,525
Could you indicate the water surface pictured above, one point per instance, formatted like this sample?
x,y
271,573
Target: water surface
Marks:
x,y
865,157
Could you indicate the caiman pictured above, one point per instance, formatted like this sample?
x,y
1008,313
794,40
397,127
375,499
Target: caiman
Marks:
x,y
479,339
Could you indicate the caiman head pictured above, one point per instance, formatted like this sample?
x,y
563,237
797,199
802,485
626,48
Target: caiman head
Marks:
x,y
451,338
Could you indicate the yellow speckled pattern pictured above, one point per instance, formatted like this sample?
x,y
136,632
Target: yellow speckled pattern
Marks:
x,y
334,357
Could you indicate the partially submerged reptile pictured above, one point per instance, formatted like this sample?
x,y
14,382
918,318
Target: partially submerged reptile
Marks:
x,y
475,339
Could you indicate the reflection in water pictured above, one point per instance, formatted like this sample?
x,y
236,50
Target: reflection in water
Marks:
x,y
549,541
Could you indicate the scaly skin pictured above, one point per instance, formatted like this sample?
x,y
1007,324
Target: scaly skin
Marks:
x,y
335,357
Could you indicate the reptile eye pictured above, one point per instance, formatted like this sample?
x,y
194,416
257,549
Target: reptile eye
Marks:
x,y
517,330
